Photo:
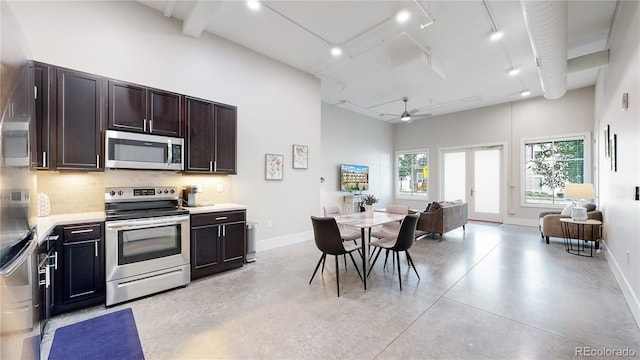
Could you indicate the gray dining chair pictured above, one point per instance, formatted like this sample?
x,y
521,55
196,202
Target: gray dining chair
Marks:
x,y
345,234
391,229
327,237
402,242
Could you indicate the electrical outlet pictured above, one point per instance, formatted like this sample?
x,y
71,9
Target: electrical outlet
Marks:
x,y
628,257
219,187
269,224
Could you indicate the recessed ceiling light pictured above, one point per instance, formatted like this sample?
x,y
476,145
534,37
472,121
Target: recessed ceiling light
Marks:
x,y
525,93
496,35
336,51
514,71
403,16
253,4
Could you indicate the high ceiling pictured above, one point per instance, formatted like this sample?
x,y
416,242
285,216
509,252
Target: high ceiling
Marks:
x,y
447,65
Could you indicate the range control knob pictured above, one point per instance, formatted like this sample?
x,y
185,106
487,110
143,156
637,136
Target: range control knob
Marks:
x,y
159,192
120,193
112,193
172,191
166,191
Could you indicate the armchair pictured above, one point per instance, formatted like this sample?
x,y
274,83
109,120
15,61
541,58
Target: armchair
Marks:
x,y
550,226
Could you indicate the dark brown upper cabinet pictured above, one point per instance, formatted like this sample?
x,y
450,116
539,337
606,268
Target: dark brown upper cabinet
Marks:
x,y
44,141
80,113
211,137
141,109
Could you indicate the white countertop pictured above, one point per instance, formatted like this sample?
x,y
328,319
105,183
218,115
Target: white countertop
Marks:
x,y
204,208
47,223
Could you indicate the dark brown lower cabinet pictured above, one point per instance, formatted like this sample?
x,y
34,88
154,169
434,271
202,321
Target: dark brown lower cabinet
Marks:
x,y
217,242
79,276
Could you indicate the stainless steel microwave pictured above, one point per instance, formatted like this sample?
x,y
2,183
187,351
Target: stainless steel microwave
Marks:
x,y
125,150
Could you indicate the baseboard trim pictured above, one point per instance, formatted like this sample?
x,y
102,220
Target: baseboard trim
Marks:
x,y
627,291
521,222
276,242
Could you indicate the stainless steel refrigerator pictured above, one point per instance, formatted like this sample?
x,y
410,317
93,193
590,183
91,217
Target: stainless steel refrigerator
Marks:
x,y
19,328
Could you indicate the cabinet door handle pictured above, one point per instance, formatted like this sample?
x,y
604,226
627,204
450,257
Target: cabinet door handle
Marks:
x,y
95,246
221,218
210,166
215,166
82,231
144,126
219,231
47,279
224,230
98,161
35,92
55,260
150,126
44,159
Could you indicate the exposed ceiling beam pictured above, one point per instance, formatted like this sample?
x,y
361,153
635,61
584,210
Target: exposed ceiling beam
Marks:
x,y
199,17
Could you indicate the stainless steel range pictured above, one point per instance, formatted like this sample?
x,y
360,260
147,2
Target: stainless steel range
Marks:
x,y
146,242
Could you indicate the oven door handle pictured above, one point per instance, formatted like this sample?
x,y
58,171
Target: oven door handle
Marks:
x,y
136,224
23,255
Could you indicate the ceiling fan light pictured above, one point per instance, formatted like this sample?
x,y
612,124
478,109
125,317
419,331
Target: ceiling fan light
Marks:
x,y
405,116
514,71
336,51
525,93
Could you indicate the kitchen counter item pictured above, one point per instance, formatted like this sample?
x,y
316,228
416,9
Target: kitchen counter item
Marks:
x,y
43,205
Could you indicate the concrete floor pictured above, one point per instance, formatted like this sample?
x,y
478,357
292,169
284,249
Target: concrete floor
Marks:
x,y
492,292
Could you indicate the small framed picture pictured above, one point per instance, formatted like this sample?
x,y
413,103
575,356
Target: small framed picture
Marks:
x,y
274,164
300,156
614,153
607,142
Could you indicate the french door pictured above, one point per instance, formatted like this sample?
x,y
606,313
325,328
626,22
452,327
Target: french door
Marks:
x,y
475,176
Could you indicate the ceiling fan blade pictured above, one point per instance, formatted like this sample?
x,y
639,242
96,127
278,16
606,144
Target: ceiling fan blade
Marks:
x,y
414,111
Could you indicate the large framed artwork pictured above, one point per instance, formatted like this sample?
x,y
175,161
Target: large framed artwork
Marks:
x,y
300,156
273,164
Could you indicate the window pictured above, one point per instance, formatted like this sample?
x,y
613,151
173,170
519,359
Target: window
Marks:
x,y
412,173
549,165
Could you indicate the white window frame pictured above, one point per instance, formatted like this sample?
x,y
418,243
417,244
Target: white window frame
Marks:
x,y
414,196
585,136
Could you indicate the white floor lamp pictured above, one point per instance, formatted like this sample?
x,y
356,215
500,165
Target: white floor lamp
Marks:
x,y
579,192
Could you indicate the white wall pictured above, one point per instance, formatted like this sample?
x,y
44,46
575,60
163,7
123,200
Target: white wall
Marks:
x,y
351,138
278,106
620,211
500,124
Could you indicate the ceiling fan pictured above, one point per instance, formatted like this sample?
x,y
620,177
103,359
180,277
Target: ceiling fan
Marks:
x,y
406,116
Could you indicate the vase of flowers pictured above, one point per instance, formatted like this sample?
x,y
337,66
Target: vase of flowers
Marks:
x,y
369,200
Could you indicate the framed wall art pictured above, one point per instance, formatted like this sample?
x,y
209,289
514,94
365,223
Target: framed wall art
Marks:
x,y
300,156
614,153
274,166
607,142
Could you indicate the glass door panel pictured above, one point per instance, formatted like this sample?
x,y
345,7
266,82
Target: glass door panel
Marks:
x,y
475,176
486,184
455,174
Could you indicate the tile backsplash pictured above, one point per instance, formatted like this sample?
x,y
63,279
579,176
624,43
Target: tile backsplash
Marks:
x,y
84,192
